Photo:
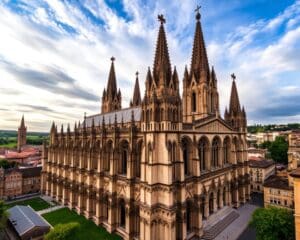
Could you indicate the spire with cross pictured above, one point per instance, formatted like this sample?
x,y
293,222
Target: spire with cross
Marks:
x,y
233,76
197,10
161,18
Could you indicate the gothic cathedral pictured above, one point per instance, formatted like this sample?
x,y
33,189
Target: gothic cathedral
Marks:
x,y
167,167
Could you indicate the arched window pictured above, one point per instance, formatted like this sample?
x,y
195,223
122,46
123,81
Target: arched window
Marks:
x,y
211,203
226,150
108,157
122,214
194,103
124,158
162,114
188,217
219,198
138,160
202,207
202,153
137,222
147,116
186,155
105,208
224,197
215,152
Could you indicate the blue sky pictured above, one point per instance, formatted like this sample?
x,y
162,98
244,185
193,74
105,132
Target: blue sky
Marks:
x,y
55,55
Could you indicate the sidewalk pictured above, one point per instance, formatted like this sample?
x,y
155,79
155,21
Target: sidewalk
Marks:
x,y
51,209
237,227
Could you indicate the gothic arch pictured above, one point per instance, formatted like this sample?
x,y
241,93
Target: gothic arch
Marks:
x,y
226,150
124,157
203,153
215,151
139,149
235,149
186,146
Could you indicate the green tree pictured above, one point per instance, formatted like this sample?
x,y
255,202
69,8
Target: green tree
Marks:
x,y
6,164
265,145
273,223
279,149
3,216
63,232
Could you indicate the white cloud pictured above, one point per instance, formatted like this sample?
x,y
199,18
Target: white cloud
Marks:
x,y
39,40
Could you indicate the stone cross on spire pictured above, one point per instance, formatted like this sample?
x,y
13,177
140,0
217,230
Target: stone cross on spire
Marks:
x,y
233,76
197,10
161,18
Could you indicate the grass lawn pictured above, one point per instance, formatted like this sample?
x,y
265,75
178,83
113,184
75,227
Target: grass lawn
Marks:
x,y
88,230
36,203
9,145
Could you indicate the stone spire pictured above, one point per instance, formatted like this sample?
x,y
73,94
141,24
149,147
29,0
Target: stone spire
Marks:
x,y
136,100
111,98
162,67
234,105
236,116
112,82
199,65
22,130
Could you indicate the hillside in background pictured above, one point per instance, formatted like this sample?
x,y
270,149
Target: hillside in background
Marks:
x,y
8,138
273,127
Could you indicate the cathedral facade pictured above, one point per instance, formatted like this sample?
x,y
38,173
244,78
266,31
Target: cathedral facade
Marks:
x,y
164,168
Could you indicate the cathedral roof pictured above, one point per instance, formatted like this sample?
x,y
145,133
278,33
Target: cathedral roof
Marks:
x,y
124,115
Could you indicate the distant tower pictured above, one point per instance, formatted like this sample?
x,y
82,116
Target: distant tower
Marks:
x,y
22,134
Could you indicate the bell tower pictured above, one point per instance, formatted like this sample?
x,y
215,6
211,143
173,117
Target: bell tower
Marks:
x,y
22,130
162,104
161,124
200,93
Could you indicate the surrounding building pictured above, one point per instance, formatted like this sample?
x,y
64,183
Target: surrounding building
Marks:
x,y
27,224
22,131
279,189
28,155
15,182
256,153
260,170
296,175
278,192
164,168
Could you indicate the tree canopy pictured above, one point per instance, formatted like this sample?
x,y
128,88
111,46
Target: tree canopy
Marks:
x,y
273,223
277,149
7,164
3,216
63,232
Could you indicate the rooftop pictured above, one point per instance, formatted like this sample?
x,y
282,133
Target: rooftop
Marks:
x,y
261,163
121,115
296,173
278,182
24,218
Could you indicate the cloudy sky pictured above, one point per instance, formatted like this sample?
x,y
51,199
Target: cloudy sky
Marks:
x,y
55,55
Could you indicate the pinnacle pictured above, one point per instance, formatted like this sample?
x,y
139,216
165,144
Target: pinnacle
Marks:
x,y
162,65
199,54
